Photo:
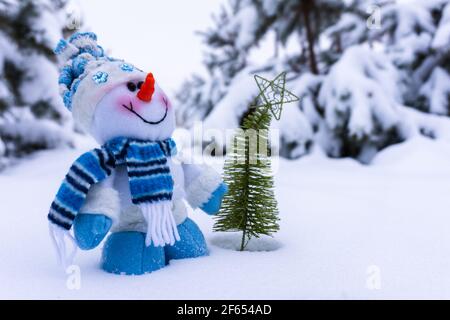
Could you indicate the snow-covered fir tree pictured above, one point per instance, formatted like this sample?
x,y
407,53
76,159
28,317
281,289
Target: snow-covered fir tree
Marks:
x,y
356,64
32,116
416,38
423,56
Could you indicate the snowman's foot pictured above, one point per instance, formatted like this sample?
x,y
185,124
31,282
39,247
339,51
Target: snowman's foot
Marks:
x,y
192,243
126,253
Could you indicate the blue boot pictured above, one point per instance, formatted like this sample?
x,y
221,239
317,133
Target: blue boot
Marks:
x,y
192,244
126,253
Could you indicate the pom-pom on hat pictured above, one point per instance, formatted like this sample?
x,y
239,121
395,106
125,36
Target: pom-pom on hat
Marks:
x,y
87,74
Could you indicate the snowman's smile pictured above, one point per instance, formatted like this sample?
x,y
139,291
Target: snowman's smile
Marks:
x,y
131,109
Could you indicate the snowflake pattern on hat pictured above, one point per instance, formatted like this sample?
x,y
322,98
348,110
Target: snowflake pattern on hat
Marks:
x,y
126,67
100,77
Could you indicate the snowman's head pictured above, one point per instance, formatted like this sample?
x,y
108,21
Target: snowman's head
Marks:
x,y
137,108
108,97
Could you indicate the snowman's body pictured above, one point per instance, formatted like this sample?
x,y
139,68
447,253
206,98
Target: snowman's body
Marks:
x,y
199,181
115,101
128,217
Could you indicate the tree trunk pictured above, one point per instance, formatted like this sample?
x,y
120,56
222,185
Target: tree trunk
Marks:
x,y
306,9
276,47
338,43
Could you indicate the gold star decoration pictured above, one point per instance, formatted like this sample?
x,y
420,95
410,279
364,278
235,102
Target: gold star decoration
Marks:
x,y
273,94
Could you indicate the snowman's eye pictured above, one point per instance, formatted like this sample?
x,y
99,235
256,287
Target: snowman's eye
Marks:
x,y
131,86
139,85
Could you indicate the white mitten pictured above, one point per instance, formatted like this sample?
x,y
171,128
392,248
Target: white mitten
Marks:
x,y
161,226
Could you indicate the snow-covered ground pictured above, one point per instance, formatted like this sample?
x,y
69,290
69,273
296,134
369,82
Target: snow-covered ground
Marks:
x,y
347,231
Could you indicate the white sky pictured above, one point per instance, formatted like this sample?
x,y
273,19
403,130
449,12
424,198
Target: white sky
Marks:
x,y
155,35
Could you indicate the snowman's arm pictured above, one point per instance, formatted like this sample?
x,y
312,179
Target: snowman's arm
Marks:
x,y
102,198
98,213
204,187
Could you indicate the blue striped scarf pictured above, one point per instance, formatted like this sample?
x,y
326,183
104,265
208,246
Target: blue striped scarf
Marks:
x,y
148,173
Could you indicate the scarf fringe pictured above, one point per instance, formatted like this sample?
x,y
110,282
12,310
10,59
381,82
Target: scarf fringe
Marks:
x,y
161,226
59,238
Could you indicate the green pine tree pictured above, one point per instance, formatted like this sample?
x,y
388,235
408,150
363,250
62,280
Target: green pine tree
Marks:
x,y
250,205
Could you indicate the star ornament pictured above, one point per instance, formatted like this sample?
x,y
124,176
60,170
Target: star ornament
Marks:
x,y
273,94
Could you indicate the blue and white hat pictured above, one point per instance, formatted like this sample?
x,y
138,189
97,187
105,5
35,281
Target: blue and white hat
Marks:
x,y
88,74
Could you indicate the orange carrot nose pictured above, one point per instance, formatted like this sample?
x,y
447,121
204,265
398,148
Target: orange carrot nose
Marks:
x,y
147,89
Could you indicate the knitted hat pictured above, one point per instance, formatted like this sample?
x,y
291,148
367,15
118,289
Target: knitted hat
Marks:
x,y
88,74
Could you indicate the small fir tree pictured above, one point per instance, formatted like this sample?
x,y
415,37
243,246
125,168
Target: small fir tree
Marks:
x,y
250,205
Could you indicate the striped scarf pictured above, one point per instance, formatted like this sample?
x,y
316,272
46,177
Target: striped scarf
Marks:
x,y
148,173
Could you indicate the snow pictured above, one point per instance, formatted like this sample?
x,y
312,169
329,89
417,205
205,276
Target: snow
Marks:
x,y
414,15
437,91
440,40
47,26
414,29
350,23
361,88
233,240
416,123
36,131
365,74
341,224
245,25
8,6
294,129
35,116
408,47
228,111
44,72
8,51
415,156
304,87
270,7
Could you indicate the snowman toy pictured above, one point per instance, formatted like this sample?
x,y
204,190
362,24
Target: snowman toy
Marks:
x,y
132,187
